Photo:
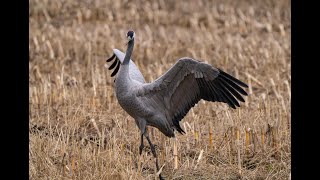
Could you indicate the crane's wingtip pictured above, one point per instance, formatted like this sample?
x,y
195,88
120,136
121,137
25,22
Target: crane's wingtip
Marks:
x,y
116,69
111,58
237,81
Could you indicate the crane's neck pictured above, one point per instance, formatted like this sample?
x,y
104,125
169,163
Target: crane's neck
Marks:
x,y
128,52
123,76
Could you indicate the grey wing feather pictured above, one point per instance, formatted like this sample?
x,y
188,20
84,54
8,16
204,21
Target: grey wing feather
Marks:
x,y
186,83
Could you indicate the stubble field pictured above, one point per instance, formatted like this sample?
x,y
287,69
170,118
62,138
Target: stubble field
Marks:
x,y
79,131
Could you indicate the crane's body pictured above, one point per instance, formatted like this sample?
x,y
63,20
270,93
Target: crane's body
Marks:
x,y
127,88
164,102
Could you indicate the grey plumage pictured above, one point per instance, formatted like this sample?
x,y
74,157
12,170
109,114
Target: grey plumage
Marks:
x,y
134,72
165,102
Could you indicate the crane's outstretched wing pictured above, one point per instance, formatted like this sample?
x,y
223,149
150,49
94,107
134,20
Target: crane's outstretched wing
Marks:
x,y
118,57
186,83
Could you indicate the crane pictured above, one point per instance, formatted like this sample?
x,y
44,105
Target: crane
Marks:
x,y
164,102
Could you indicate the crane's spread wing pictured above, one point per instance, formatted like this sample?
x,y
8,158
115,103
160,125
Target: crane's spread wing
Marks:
x,y
186,83
118,57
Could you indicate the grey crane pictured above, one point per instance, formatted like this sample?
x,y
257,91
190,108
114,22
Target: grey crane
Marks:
x,y
166,101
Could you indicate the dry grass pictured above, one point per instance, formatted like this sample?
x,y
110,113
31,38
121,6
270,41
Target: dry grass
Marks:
x,y
77,128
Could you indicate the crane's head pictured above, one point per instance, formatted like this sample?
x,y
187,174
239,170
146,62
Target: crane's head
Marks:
x,y
130,35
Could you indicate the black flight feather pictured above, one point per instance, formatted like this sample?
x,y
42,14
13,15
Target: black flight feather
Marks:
x,y
228,94
113,64
234,92
237,81
234,85
116,70
108,60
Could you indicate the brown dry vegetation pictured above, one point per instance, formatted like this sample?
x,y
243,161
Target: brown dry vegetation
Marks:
x,y
77,128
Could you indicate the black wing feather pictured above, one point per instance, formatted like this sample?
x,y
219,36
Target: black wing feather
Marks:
x,y
237,81
116,69
234,85
113,56
113,64
234,92
228,94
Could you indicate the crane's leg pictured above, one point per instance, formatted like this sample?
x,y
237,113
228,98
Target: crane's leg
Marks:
x,y
153,152
141,145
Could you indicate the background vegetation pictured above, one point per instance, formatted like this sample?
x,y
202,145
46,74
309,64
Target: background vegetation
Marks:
x,y
77,128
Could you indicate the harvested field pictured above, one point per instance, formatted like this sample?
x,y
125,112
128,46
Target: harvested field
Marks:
x,y
79,131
